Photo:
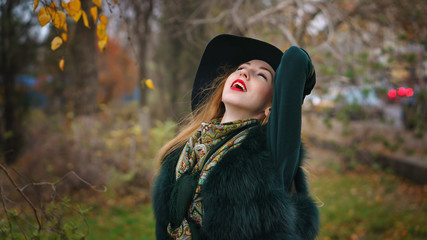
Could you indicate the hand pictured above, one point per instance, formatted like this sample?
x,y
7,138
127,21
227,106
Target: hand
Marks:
x,y
311,80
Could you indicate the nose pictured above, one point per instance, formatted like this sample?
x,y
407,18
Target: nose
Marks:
x,y
244,73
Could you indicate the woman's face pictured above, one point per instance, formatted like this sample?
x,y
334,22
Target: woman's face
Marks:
x,y
248,91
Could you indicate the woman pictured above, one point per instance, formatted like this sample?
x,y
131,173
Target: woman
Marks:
x,y
234,171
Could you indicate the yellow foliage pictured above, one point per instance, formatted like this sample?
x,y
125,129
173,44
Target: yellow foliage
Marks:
x,y
98,3
59,19
94,13
53,6
56,43
100,30
75,5
149,83
103,19
76,16
65,27
103,42
61,64
64,37
36,4
44,16
85,21
74,9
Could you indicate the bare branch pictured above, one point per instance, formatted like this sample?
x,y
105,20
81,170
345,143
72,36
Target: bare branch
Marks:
x,y
267,12
4,169
216,19
288,34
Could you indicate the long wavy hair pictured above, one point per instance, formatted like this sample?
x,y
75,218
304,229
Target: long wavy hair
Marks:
x,y
212,107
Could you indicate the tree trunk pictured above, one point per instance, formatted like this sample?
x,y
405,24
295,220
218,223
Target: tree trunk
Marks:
x,y
83,72
8,72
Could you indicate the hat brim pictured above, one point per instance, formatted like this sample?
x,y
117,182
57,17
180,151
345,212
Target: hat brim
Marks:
x,y
229,50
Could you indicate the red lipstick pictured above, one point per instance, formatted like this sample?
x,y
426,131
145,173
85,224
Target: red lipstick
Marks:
x,y
238,85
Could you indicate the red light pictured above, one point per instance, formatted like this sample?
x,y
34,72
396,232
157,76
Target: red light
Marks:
x,y
392,93
409,92
401,91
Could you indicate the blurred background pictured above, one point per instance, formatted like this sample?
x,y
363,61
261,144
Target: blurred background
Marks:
x,y
94,112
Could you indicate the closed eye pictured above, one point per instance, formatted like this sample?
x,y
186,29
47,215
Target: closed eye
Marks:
x,y
239,68
263,75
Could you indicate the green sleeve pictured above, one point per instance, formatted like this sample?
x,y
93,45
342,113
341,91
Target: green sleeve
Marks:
x,y
284,125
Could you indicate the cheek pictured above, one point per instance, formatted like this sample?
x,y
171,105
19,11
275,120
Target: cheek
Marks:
x,y
266,93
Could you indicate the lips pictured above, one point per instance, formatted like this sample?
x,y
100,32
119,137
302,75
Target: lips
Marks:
x,y
239,85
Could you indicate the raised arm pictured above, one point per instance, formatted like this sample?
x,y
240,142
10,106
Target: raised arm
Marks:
x,y
284,125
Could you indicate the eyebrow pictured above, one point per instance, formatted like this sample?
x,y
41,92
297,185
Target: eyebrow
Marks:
x,y
264,68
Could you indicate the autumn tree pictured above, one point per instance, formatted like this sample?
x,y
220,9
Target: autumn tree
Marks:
x,y
81,47
137,16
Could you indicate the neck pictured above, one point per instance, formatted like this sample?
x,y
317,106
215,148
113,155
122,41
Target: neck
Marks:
x,y
231,116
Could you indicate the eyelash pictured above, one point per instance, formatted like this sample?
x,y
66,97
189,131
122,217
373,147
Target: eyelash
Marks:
x,y
260,74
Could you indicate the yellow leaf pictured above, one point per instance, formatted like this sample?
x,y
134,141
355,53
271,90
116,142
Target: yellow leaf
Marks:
x,y
64,5
103,19
44,16
98,3
74,9
53,6
85,21
65,27
149,83
64,37
100,30
56,43
103,42
61,64
75,5
59,19
94,13
36,4
76,15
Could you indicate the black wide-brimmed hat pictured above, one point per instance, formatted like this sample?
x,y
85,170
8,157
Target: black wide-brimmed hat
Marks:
x,y
231,51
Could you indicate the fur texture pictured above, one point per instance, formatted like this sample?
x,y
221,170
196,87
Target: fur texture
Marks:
x,y
244,197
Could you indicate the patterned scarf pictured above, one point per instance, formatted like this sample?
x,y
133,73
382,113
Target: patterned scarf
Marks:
x,y
193,158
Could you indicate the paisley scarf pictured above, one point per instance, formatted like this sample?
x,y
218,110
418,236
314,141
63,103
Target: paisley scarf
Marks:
x,y
194,159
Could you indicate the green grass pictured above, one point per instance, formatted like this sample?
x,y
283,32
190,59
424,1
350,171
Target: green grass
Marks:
x,y
361,204
121,222
369,205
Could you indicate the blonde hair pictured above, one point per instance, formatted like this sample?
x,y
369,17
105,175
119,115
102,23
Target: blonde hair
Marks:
x,y
212,107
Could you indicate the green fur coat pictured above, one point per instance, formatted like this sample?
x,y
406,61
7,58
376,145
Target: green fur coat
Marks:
x,y
257,190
